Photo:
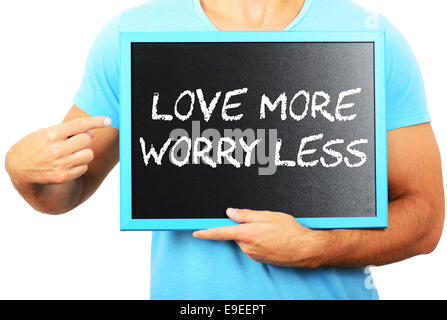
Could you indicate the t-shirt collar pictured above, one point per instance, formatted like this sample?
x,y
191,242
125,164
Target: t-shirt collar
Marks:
x,y
211,27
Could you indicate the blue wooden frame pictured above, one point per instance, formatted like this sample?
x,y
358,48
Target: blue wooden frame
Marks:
x,y
127,38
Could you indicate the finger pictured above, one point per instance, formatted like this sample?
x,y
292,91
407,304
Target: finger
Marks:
x,y
81,125
246,215
77,142
76,172
220,234
80,158
70,174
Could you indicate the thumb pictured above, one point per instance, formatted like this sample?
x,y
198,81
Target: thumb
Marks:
x,y
245,215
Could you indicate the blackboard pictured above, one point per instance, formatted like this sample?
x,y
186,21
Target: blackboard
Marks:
x,y
291,126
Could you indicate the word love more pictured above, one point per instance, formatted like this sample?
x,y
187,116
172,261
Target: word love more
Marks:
x,y
246,148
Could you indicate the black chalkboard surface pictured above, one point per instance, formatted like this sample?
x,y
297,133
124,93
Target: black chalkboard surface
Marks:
x,y
283,126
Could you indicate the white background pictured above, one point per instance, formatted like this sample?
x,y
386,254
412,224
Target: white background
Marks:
x,y
83,255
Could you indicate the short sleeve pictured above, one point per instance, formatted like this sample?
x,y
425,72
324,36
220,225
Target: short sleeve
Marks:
x,y
406,103
98,94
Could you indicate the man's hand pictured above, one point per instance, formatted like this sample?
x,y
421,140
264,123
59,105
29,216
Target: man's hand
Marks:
x,y
271,237
54,155
57,168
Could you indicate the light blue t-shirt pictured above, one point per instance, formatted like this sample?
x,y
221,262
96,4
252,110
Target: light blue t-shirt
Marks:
x,y
187,268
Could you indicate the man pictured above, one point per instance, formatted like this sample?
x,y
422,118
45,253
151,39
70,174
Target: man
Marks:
x,y
269,255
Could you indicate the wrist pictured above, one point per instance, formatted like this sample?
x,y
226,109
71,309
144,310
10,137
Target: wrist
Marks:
x,y
334,248
313,252
322,248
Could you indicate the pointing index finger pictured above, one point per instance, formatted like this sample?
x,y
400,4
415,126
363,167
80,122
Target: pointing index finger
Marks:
x,y
220,233
81,125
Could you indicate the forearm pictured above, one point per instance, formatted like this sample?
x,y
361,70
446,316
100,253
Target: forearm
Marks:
x,y
49,198
415,226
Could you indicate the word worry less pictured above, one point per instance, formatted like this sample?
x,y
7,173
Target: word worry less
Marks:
x,y
245,148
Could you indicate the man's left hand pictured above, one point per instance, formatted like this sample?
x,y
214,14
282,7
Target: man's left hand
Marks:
x,y
272,238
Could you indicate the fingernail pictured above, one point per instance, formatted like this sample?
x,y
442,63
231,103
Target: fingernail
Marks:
x,y
91,133
194,234
231,211
107,122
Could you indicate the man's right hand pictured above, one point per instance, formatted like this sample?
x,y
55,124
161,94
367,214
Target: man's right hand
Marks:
x,y
54,155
